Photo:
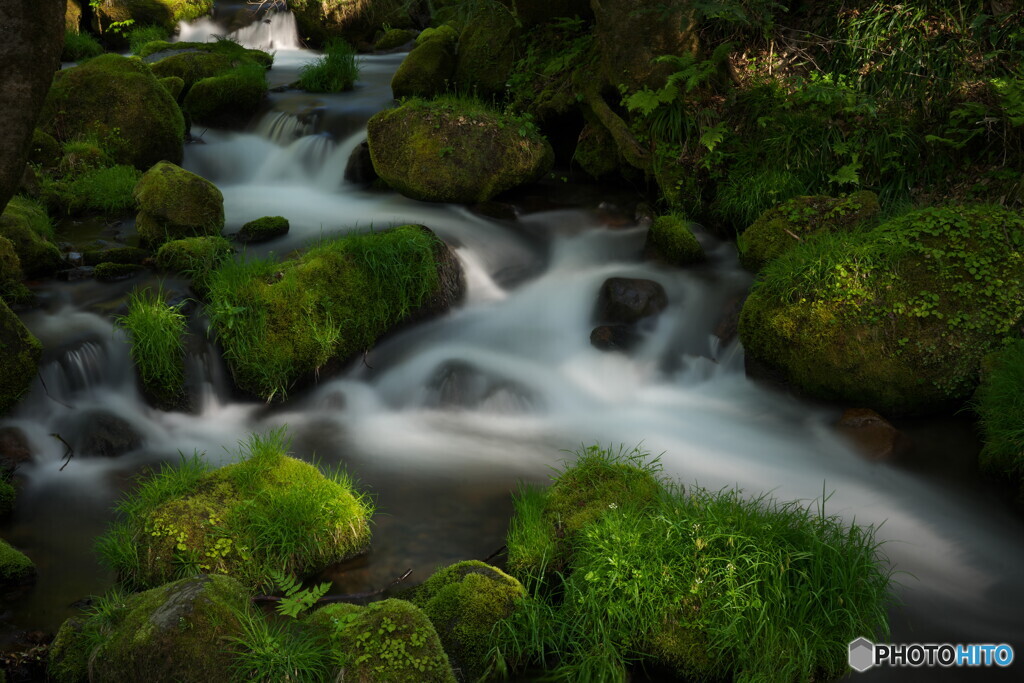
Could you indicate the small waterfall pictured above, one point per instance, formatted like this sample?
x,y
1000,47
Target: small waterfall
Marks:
x,y
79,369
274,31
297,162
284,127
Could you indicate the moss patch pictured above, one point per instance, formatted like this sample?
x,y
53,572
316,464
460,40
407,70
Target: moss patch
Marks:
x,y
267,513
120,102
192,67
487,50
1000,407
429,69
20,360
391,640
897,318
672,239
27,226
263,229
229,99
174,203
452,150
394,38
194,257
15,567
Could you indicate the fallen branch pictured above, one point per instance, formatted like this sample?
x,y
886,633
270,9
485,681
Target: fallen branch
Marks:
x,y
346,597
499,551
68,454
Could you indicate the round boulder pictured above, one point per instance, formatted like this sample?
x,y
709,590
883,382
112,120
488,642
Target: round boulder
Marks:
x,y
430,68
627,300
174,204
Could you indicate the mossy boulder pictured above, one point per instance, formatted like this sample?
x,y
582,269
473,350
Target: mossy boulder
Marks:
x,y
175,203
391,640
46,151
448,152
174,85
27,226
394,38
429,69
263,229
7,496
19,361
227,100
464,602
133,255
999,404
157,50
192,66
166,13
73,16
120,102
281,323
487,52
115,272
356,22
596,152
896,318
15,567
181,631
195,257
11,288
671,238
267,513
784,226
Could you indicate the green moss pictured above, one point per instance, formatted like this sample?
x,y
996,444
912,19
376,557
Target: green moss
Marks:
x,y
7,496
238,53
174,204
164,13
1000,407
20,360
15,567
68,657
279,323
11,288
192,67
487,51
114,272
173,85
897,318
132,255
27,226
396,37
195,257
46,151
464,602
784,226
121,103
267,513
79,47
391,640
444,32
455,150
555,67
429,68
672,238
228,99
263,229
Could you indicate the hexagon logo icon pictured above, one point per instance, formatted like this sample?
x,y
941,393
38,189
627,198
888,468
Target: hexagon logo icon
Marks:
x,y
862,655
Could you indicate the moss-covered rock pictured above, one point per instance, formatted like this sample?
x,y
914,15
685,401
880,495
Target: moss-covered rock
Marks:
x,y
394,38
27,226
391,640
596,152
195,257
178,632
7,496
487,51
267,513
157,50
175,203
429,69
173,85
464,602
281,323
132,255
115,272
15,567
451,151
897,318
784,226
121,103
11,288
671,238
999,404
20,360
166,13
192,66
356,22
73,16
45,151
229,99
263,229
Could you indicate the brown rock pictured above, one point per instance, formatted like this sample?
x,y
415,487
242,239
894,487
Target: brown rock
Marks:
x,y
872,435
14,448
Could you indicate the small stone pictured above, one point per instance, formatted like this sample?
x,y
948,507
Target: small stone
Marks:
x,y
872,435
627,300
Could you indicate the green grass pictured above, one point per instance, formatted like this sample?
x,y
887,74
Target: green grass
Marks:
x,y
156,332
1000,407
195,257
279,650
709,583
335,71
266,515
103,190
79,46
138,37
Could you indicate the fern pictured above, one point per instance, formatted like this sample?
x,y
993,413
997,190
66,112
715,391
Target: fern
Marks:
x,y
296,599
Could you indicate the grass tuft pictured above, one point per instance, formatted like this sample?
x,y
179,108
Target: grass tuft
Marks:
x,y
156,331
335,71
79,46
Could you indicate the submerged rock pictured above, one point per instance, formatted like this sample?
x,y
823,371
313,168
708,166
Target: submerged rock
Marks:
x,y
14,449
106,435
872,435
175,203
615,337
120,102
359,168
441,152
628,300
19,361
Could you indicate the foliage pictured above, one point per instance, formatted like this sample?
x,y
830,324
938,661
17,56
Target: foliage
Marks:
x,y
194,257
335,71
296,598
1000,407
156,330
140,35
279,651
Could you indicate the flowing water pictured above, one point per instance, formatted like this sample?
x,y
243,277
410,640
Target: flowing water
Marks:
x,y
441,420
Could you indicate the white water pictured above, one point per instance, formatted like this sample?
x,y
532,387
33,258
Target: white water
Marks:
x,y
508,379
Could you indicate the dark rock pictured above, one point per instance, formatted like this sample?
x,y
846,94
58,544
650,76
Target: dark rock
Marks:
x,y
872,435
359,169
114,272
457,384
263,229
107,435
615,337
497,210
76,274
14,448
627,300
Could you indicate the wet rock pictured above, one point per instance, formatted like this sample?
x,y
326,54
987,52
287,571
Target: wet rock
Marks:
x,y
115,272
14,449
727,327
107,435
359,169
872,435
19,358
627,300
76,274
615,337
263,229
496,210
456,384
175,203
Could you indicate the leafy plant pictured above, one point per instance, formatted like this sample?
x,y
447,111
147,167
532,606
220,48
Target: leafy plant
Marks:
x,y
296,598
335,71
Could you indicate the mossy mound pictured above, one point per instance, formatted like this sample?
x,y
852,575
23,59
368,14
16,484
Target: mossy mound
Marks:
x,y
897,318
267,513
596,152
542,542
391,640
7,496
157,50
284,322
487,52
671,238
27,226
394,38
115,272
1000,407
784,226
355,22
195,257
121,103
11,288
454,151
177,632
429,69
19,361
15,567
263,229
45,151
192,66
229,99
166,13
175,203
174,85
132,255
464,602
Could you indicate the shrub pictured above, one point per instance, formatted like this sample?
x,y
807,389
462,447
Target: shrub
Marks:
x,y
156,331
335,71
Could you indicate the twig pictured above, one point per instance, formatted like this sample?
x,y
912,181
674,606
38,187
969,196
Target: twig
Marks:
x,y
499,551
68,454
793,234
341,598
48,394
365,353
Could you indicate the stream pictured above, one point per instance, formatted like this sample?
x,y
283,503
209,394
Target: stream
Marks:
x,y
441,420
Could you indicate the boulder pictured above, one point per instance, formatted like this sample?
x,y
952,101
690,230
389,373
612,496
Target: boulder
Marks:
x,y
615,337
11,288
14,449
121,103
192,66
896,319
671,238
73,17
487,52
19,361
263,229
194,257
25,225
175,203
596,152
429,69
356,22
628,300
359,168
783,227
106,435
227,100
15,568
436,151
394,39
872,435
